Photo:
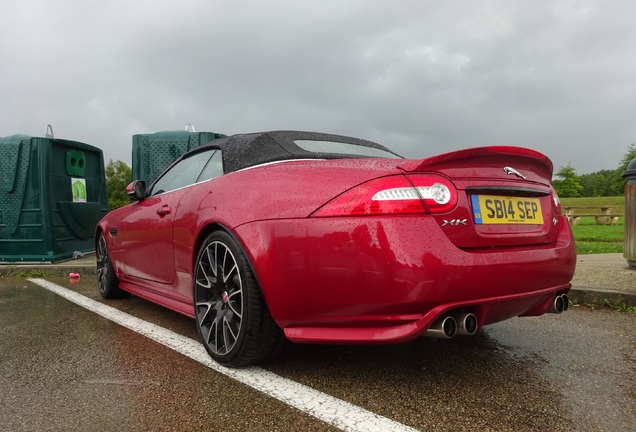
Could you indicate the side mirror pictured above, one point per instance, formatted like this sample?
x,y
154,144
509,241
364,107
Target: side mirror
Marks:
x,y
136,190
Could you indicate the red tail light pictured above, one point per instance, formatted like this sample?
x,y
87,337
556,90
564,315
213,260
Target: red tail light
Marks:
x,y
417,194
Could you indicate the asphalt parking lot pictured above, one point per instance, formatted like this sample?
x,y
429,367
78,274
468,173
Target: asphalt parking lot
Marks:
x,y
64,367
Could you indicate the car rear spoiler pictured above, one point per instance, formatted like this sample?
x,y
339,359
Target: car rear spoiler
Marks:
x,y
484,156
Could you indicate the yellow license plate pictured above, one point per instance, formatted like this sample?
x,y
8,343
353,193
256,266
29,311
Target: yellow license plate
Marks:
x,y
490,209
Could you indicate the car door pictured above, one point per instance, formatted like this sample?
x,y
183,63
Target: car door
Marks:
x,y
146,233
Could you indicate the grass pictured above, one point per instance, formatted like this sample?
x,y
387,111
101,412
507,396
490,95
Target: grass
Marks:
x,y
621,306
595,239
617,203
33,274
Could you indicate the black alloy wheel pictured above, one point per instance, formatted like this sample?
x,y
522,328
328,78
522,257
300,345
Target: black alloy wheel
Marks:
x,y
232,318
107,281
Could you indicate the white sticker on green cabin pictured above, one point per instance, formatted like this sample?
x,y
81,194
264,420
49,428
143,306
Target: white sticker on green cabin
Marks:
x,y
79,189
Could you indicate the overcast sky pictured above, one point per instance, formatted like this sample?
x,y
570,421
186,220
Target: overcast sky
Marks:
x,y
421,77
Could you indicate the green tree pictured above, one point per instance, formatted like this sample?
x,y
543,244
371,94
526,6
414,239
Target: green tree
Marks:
x,y
118,176
567,184
597,184
618,187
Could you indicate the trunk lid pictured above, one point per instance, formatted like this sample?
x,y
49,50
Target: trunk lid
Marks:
x,y
505,197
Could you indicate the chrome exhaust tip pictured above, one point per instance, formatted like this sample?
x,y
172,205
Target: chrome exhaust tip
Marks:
x,y
560,304
444,328
566,302
466,324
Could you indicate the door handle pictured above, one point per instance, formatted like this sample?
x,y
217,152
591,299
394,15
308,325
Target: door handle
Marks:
x,y
164,210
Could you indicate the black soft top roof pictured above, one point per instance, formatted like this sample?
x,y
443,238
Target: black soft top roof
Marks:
x,y
245,150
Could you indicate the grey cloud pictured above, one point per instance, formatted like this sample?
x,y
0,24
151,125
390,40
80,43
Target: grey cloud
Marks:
x,y
419,76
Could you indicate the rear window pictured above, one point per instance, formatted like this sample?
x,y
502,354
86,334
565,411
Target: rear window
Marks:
x,y
343,148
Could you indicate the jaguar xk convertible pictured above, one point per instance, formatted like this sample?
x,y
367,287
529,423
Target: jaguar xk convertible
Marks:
x,y
318,238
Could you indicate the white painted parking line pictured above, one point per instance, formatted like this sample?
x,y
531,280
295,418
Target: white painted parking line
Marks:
x,y
336,412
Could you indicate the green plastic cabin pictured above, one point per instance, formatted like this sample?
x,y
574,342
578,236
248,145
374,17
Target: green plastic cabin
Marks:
x,y
52,194
153,153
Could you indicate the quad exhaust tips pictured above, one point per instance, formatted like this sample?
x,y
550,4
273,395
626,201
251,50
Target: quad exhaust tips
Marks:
x,y
447,326
560,304
466,324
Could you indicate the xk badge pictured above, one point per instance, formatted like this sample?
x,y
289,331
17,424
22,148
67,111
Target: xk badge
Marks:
x,y
455,222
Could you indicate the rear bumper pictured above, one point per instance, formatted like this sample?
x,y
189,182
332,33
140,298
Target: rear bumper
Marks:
x,y
387,279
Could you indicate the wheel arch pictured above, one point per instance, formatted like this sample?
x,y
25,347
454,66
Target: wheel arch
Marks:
x,y
215,226
98,230
201,236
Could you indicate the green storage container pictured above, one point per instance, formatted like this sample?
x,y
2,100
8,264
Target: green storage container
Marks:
x,y
52,194
153,153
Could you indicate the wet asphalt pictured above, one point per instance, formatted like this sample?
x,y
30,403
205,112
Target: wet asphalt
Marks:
x,y
63,368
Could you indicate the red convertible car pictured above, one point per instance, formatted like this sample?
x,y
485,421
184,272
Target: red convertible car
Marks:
x,y
318,238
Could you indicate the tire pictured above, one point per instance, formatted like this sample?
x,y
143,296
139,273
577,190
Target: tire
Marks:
x,y
107,281
232,318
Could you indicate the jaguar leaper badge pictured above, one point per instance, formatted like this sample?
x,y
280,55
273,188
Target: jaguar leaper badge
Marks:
x,y
511,171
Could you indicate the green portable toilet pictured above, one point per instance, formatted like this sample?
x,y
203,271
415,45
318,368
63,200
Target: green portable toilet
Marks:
x,y
52,194
153,153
